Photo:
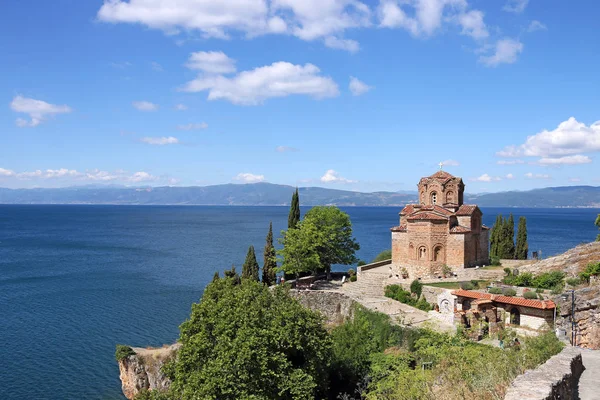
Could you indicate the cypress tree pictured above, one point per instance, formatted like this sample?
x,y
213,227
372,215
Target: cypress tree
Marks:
x,y
294,216
250,267
270,264
509,238
216,276
495,237
232,273
522,248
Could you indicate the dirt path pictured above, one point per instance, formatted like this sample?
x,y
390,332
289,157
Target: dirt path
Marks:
x,y
589,383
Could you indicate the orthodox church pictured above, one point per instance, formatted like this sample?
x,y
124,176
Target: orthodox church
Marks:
x,y
439,231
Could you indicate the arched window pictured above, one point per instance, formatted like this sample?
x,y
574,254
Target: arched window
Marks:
x,y
515,316
422,253
438,253
450,197
433,198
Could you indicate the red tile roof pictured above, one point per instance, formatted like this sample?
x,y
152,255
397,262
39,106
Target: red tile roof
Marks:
x,y
426,216
409,209
401,228
442,175
517,301
466,209
459,229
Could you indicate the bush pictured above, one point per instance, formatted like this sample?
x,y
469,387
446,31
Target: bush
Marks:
x,y
384,255
557,289
123,352
593,269
574,281
549,280
495,290
446,271
353,278
475,283
540,296
467,286
422,304
507,271
360,263
509,292
530,295
495,261
351,272
403,296
539,290
416,287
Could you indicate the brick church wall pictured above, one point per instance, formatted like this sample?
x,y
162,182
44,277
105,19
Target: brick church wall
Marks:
x,y
455,254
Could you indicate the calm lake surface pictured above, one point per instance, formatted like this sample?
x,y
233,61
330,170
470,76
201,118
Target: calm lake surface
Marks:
x,y
76,280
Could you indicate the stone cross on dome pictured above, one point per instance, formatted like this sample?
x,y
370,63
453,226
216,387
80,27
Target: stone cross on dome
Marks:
x,y
441,164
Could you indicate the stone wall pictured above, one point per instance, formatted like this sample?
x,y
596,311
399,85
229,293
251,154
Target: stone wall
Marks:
x,y
556,379
336,307
587,316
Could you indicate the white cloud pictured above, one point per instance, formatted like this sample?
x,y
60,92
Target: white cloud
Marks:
x,y
192,127
247,177
305,19
574,179
156,66
565,160
505,52
37,110
510,176
211,62
510,162
71,175
285,149
536,26
142,176
472,24
253,87
531,175
486,178
450,163
570,137
515,6
332,176
160,141
6,172
144,106
181,107
358,87
343,44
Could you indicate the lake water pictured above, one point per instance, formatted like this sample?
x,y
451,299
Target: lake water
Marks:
x,y
76,280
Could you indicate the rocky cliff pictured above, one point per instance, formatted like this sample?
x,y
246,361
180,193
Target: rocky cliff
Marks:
x,y
572,262
142,371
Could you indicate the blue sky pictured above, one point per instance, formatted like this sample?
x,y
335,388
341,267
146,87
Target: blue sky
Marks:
x,y
345,94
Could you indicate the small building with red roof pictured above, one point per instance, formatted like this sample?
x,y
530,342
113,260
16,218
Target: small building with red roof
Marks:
x,y
439,231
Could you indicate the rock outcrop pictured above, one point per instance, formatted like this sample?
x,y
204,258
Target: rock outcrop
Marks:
x,y
587,316
142,371
571,262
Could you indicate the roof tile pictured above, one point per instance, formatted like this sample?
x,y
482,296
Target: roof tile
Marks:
x,y
517,301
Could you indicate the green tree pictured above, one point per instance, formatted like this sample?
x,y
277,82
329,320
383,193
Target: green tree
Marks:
x,y
522,247
299,253
249,342
508,238
495,237
250,267
269,271
294,216
598,225
232,273
336,244
384,255
216,276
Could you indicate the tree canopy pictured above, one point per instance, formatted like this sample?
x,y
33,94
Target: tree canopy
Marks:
x,y
522,247
384,255
299,253
598,225
249,342
502,238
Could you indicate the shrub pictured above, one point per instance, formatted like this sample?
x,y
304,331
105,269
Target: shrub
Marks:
x,y
360,263
123,352
592,269
422,304
475,283
384,255
467,286
446,271
557,289
351,272
509,292
507,271
540,296
416,287
539,290
353,278
549,280
530,295
574,281
495,261
403,296
495,290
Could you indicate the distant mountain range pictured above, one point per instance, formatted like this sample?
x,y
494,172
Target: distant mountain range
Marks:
x,y
263,194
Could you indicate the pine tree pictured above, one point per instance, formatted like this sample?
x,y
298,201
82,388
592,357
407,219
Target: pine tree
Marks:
x,y
495,237
216,276
270,263
250,267
294,216
522,248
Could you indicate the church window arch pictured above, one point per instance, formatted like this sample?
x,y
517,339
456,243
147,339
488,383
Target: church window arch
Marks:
x,y
450,197
433,198
422,253
438,253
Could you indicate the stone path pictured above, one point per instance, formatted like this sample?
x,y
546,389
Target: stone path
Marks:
x,y
589,383
368,290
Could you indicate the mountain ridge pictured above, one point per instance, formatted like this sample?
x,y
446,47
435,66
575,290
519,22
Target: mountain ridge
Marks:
x,y
269,194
